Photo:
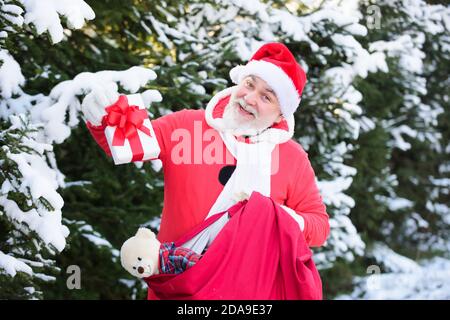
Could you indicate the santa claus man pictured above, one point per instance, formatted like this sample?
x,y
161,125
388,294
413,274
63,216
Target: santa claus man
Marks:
x,y
242,142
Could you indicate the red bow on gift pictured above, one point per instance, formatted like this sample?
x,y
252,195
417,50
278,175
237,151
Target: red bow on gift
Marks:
x,y
128,119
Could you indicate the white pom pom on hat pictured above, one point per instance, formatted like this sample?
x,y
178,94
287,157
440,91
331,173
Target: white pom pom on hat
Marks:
x,y
276,65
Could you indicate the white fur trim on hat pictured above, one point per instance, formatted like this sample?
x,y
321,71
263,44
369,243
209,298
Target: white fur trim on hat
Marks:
x,y
276,78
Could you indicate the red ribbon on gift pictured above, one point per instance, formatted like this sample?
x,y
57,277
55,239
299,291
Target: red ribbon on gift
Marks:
x,y
127,120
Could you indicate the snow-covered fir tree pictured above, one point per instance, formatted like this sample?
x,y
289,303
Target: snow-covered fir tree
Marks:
x,y
37,115
406,211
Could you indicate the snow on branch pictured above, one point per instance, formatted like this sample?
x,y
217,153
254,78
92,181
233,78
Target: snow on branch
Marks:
x,y
11,77
12,265
45,15
37,182
64,98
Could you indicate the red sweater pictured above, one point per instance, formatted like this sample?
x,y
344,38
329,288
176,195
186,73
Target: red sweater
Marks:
x,y
190,189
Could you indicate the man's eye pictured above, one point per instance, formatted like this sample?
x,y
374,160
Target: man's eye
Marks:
x,y
266,98
248,83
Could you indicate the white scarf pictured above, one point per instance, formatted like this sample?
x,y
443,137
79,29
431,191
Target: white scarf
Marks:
x,y
252,173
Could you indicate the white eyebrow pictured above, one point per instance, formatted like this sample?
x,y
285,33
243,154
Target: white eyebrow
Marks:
x,y
265,88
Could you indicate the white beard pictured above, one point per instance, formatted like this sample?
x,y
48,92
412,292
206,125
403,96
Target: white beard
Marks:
x,y
238,126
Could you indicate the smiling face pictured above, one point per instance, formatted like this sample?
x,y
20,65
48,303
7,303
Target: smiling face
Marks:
x,y
253,105
139,255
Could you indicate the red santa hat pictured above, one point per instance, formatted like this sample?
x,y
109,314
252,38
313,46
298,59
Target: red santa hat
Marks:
x,y
276,65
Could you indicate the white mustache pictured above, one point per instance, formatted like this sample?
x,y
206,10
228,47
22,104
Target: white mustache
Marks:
x,y
245,106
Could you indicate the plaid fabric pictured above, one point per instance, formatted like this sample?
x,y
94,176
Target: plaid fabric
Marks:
x,y
175,260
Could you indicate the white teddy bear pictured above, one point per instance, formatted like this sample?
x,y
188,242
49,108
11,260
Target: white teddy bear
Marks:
x,y
139,255
143,255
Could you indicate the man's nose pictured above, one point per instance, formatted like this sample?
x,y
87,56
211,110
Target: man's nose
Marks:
x,y
140,270
250,98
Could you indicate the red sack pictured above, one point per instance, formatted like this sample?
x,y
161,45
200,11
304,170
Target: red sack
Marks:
x,y
259,254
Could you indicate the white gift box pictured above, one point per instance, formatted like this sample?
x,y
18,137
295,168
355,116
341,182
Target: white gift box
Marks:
x,y
150,146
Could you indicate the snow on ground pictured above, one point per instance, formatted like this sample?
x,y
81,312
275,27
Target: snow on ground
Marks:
x,y
400,278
